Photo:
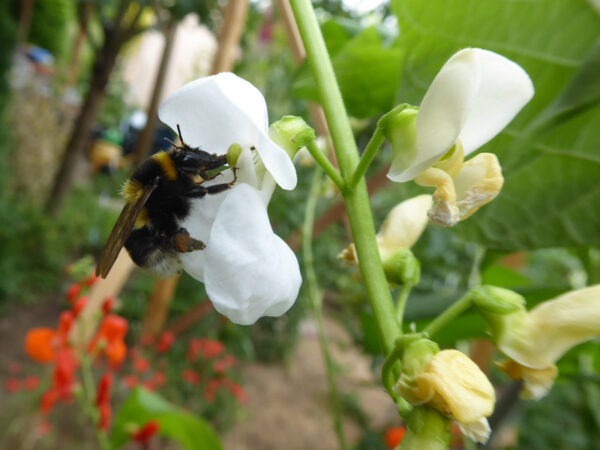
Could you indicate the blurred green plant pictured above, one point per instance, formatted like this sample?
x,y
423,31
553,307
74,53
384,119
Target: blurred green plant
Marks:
x,y
52,24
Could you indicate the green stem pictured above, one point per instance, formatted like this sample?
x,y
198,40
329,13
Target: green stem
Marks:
x,y
357,199
326,165
401,303
90,399
451,313
367,157
316,303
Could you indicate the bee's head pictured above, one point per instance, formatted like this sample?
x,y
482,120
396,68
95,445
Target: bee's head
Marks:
x,y
192,160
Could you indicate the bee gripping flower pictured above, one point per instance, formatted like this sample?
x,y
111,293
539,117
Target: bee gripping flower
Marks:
x,y
473,97
535,340
248,271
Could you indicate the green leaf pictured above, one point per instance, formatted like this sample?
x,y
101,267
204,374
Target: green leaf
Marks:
x,y
191,432
367,72
551,180
583,92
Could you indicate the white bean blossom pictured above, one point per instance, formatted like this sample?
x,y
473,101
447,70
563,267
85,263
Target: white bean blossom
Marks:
x,y
473,97
248,271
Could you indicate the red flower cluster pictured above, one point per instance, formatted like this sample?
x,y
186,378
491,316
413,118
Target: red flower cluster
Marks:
x,y
204,347
55,346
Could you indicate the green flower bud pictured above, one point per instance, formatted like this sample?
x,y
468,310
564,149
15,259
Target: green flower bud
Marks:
x,y
496,300
291,133
427,430
402,268
399,126
416,355
233,154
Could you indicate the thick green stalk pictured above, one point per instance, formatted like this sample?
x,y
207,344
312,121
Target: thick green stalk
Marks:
x,y
367,156
357,199
316,303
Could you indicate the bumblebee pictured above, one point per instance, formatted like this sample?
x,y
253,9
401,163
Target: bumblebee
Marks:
x,y
158,197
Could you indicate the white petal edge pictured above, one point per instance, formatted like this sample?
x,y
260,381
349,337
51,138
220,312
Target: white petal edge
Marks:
x,y
504,89
250,272
446,108
216,111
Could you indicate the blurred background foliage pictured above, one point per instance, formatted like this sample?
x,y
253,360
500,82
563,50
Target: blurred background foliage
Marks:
x,y
540,237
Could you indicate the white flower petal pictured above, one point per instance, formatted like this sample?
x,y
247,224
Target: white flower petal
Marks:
x,y
476,431
219,110
503,90
250,272
446,108
198,224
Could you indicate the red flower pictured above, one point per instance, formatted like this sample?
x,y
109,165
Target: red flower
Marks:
x,y
91,280
190,376
12,385
48,400
65,322
107,305
104,387
39,344
31,383
63,376
222,365
110,338
239,393
73,292
131,381
145,433
79,305
103,400
210,392
207,347
105,416
165,341
393,436
159,379
141,364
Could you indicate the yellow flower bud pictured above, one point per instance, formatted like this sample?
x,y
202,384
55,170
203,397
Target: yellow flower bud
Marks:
x,y
455,386
536,382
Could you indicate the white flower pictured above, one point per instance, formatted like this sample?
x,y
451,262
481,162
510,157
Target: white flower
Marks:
x,y
473,97
248,271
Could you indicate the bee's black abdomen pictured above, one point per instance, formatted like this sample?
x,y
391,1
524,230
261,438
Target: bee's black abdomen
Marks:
x,y
153,251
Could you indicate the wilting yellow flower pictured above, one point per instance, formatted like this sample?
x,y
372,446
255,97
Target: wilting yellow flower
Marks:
x,y
459,193
534,340
401,229
454,385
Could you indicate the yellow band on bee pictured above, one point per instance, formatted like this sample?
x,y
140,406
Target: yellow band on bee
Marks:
x,y
167,164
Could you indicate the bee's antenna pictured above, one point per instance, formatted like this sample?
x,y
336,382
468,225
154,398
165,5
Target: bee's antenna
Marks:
x,y
171,142
180,136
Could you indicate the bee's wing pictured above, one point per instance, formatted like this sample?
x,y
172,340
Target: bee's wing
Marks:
x,y
121,231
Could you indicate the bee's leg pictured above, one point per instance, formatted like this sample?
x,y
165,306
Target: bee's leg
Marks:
x,y
184,243
201,191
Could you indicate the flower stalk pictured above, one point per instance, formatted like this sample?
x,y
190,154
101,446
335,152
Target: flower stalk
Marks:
x,y
367,157
355,197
